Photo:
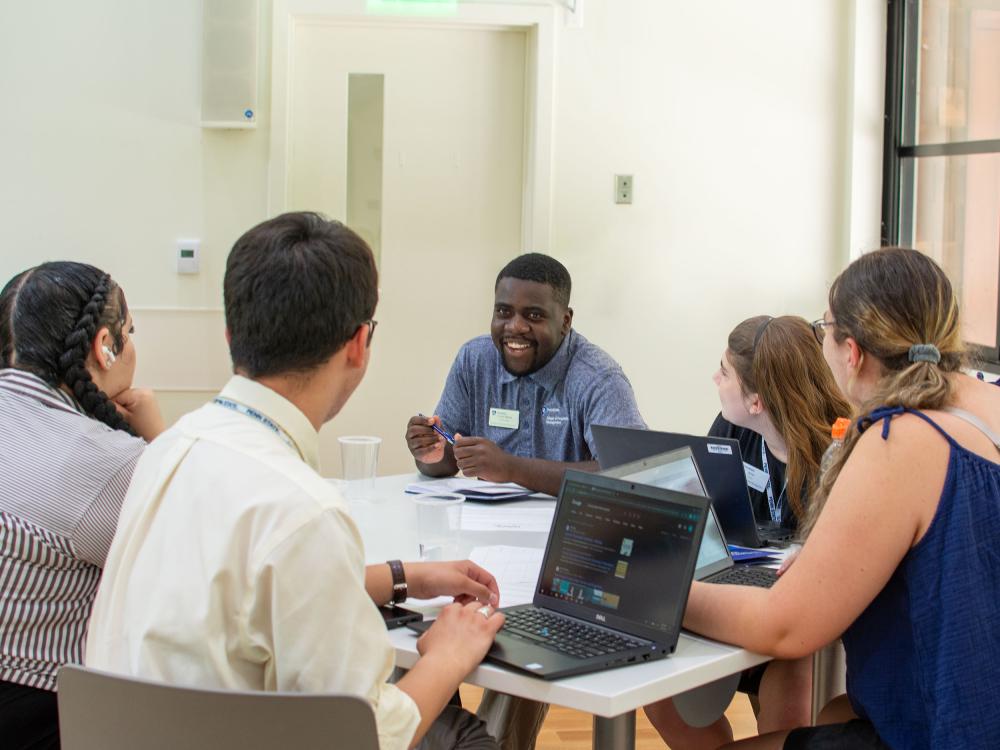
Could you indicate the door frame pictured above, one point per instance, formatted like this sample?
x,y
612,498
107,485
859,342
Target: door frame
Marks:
x,y
538,21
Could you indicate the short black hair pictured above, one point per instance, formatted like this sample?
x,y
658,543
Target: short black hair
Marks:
x,y
296,289
541,268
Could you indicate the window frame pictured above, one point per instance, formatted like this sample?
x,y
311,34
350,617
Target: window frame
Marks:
x,y
898,203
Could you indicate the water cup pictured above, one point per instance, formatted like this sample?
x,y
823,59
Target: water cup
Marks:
x,y
359,461
439,525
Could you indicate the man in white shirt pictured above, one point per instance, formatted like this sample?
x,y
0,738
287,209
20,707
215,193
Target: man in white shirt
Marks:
x,y
235,565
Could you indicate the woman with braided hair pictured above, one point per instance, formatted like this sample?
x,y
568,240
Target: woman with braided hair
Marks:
x,y
71,428
900,558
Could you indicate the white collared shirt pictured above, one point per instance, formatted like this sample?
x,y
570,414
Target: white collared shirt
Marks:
x,y
236,565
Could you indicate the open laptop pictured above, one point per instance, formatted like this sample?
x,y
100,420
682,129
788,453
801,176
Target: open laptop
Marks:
x,y
721,464
614,580
678,469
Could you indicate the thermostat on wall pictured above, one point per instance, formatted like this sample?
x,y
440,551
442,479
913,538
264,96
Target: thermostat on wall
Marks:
x,y
188,253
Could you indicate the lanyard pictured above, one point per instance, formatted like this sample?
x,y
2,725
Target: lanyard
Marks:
x,y
773,505
256,415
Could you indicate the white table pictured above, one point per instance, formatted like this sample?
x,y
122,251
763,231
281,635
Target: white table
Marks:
x,y
701,675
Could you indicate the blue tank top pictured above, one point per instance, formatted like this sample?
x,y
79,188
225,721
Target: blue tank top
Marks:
x,y
923,660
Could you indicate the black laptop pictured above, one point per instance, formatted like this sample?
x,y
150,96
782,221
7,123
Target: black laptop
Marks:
x,y
721,464
678,470
614,580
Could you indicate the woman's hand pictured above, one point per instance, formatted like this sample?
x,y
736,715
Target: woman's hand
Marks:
x,y
789,559
139,407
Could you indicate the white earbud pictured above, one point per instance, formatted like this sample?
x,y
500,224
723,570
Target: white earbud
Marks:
x,y
109,354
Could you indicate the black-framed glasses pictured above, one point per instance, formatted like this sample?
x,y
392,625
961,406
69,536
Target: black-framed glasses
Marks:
x,y
371,323
819,328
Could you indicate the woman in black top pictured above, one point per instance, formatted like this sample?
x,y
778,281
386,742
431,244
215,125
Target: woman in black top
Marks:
x,y
779,400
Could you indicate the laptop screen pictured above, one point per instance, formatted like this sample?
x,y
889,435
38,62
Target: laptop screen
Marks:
x,y
621,552
677,470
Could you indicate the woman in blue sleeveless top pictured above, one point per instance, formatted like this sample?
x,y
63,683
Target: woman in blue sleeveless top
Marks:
x,y
902,558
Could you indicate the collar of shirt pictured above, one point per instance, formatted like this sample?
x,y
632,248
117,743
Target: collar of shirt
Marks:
x,y
552,373
279,410
29,384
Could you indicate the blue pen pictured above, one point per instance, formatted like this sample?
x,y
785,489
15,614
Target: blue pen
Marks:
x,y
439,431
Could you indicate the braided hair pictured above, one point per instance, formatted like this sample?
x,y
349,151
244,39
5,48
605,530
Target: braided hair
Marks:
x,y
49,316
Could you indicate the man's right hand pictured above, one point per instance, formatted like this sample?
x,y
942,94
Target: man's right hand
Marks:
x,y
425,444
461,635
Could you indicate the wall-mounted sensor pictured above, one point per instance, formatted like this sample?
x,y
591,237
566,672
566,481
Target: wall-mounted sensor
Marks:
x,y
188,256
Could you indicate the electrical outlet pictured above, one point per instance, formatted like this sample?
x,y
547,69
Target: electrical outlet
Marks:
x,y
623,188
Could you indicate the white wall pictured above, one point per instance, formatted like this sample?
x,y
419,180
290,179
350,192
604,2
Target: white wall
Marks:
x,y
735,119
751,130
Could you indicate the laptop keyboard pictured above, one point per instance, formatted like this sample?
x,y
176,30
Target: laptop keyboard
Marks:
x,y
746,575
564,635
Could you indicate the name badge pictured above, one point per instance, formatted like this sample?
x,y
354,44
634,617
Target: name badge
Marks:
x,y
506,418
756,478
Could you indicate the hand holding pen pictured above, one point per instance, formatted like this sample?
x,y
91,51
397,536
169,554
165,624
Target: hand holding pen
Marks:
x,y
438,430
427,439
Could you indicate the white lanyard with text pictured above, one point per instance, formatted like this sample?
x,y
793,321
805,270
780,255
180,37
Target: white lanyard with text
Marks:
x,y
773,506
256,415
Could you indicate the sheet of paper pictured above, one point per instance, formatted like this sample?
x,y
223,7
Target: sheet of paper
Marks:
x,y
460,484
491,518
515,568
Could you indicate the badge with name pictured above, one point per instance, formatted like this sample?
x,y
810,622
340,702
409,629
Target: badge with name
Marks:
x,y
755,477
506,418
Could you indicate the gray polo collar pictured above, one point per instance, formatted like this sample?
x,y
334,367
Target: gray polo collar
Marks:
x,y
551,374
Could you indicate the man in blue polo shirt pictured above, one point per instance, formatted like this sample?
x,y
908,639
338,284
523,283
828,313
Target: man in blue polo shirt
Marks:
x,y
521,400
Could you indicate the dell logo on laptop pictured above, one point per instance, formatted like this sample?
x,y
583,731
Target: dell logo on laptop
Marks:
x,y
600,617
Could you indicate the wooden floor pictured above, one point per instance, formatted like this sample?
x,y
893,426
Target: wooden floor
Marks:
x,y
566,729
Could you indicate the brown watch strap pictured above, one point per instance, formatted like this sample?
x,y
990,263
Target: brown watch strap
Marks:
x,y
399,588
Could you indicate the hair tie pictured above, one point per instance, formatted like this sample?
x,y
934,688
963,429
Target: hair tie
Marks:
x,y
925,353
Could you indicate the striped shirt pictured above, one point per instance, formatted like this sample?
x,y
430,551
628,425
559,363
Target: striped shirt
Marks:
x,y
63,476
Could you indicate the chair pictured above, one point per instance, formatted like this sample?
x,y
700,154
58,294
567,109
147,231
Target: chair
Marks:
x,y
101,711
829,676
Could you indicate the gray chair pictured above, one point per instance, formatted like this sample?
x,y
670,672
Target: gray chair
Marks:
x,y
829,676
101,711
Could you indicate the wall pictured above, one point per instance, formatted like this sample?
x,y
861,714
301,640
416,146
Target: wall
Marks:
x,y
739,122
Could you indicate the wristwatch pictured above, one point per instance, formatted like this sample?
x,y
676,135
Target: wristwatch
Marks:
x,y
399,589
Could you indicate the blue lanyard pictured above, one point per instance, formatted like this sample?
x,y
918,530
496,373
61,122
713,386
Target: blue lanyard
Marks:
x,y
773,505
256,415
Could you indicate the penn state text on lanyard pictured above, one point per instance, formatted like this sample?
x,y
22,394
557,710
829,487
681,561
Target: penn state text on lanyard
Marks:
x,y
773,505
256,415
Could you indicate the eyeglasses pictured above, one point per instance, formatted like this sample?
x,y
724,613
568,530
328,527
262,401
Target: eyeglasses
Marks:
x,y
371,329
819,328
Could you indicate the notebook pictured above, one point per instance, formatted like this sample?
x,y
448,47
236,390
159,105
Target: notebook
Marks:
x,y
474,489
614,580
721,464
678,469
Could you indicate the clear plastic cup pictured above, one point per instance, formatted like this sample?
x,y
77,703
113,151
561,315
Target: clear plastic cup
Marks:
x,y
439,525
359,462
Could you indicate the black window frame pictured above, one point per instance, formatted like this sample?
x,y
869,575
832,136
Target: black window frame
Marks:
x,y
900,151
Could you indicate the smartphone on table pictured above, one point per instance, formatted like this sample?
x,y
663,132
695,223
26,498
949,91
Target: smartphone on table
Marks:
x,y
397,617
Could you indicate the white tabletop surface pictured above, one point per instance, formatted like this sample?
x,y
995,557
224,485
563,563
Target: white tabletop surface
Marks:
x,y
387,520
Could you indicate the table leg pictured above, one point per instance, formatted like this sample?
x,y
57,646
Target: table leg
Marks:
x,y
704,705
615,733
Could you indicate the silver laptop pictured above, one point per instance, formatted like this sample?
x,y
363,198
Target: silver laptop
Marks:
x,y
722,464
677,470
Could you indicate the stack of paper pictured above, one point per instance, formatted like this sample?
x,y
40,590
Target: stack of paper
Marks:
x,y
473,489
